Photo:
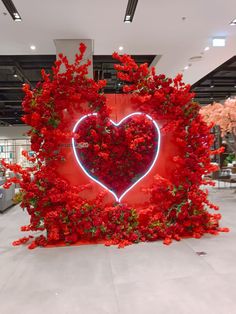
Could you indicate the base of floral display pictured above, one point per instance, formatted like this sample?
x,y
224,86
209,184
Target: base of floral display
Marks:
x,y
78,243
42,242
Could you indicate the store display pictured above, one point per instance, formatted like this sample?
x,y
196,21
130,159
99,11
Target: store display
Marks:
x,y
11,151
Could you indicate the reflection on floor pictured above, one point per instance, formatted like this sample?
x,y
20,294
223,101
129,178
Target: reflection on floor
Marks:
x,y
148,278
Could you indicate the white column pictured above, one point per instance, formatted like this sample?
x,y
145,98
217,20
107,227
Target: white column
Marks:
x,y
69,47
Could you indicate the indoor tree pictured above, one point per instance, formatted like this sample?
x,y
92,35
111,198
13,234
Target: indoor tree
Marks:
x,y
223,115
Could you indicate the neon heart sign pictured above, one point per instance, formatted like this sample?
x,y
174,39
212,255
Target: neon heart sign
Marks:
x,y
119,131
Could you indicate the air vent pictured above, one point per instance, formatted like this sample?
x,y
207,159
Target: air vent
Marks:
x,y
12,10
195,59
130,10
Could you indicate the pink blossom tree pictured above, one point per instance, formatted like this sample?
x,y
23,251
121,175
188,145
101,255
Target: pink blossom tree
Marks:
x,y
223,115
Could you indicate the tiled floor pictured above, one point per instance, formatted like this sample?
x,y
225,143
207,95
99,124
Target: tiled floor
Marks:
x,y
148,278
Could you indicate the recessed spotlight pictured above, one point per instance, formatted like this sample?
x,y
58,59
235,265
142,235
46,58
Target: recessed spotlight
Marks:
x,y
206,48
212,86
234,86
186,68
233,22
15,75
121,48
218,42
32,47
195,58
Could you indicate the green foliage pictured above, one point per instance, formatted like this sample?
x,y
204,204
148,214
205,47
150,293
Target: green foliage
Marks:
x,y
229,159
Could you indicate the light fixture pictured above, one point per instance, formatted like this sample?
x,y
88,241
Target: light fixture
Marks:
x,y
12,10
15,75
186,68
233,22
16,15
130,10
121,48
206,48
212,86
32,47
218,42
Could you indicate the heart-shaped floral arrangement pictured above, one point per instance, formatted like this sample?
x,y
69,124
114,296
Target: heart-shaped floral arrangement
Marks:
x,y
116,155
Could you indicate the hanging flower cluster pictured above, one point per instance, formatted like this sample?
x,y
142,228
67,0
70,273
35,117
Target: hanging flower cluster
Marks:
x,y
176,208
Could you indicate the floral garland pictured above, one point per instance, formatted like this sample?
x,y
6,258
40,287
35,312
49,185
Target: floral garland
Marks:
x,y
176,208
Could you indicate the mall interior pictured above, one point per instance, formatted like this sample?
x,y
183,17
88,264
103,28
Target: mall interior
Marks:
x,y
118,157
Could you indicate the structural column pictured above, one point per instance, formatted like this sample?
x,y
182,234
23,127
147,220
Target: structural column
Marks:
x,y
69,47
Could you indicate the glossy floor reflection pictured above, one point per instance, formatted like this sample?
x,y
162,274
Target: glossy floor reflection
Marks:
x,y
148,278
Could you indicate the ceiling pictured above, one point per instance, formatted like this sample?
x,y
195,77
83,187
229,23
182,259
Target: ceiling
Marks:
x,y
177,30
218,84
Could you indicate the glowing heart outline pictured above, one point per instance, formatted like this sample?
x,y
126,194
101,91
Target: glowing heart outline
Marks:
x,y
118,199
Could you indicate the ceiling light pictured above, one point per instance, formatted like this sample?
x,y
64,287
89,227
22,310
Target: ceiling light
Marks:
x,y
32,47
233,22
186,68
212,86
218,41
15,75
121,48
207,48
234,86
12,10
130,10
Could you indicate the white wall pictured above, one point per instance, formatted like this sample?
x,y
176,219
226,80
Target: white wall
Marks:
x,y
13,132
